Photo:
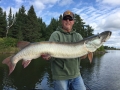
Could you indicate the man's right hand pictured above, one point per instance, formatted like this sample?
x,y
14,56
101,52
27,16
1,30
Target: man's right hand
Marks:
x,y
46,56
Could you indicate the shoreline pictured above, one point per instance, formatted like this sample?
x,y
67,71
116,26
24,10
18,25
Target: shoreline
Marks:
x,y
10,50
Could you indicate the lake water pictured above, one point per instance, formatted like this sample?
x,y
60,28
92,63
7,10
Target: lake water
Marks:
x,y
102,74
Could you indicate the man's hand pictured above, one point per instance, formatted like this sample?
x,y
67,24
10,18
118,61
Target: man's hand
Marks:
x,y
46,56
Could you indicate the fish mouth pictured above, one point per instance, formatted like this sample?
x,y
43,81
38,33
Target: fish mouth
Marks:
x,y
107,36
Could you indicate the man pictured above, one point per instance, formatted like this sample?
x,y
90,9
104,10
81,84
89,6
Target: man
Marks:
x,y
66,72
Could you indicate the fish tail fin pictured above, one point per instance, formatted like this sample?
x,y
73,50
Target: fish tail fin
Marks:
x,y
90,56
22,44
9,64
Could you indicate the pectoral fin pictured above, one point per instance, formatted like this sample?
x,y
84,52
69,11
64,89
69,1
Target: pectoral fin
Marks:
x,y
26,63
90,56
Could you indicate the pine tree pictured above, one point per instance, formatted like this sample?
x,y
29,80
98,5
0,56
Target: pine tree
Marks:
x,y
20,23
84,30
3,23
51,27
32,31
87,30
60,20
79,24
42,26
10,22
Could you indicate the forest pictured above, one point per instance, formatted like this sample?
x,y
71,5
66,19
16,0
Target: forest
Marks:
x,y
26,26
29,27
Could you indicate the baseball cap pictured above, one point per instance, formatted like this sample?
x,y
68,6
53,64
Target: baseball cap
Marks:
x,y
68,13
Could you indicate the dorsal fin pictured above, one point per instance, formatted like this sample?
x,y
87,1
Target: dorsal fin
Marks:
x,y
22,44
90,56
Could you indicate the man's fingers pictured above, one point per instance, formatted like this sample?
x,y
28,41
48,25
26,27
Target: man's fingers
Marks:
x,y
46,56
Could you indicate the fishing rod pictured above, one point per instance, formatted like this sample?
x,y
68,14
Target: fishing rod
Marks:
x,y
88,88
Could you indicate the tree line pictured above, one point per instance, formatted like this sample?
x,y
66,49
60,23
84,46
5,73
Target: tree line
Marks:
x,y
111,48
29,27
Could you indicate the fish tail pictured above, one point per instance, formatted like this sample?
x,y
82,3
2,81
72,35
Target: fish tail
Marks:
x,y
8,62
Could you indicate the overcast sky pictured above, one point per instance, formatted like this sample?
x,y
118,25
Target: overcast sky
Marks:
x,y
102,15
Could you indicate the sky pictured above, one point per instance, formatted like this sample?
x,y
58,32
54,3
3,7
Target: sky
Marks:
x,y
101,15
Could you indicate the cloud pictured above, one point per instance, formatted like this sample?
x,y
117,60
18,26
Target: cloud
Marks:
x,y
38,5
14,6
43,4
49,1
109,2
106,18
111,22
18,3
7,9
65,2
90,15
47,15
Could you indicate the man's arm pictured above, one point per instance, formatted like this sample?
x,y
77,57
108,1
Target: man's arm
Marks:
x,y
53,37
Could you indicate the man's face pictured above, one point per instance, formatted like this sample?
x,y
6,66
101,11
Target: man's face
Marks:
x,y
67,23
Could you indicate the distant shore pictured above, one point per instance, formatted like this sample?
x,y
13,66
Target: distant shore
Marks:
x,y
100,52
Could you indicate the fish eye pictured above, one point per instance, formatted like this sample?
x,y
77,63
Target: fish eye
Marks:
x,y
98,36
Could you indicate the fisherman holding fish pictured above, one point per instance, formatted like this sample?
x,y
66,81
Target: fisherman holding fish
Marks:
x,y
66,72
66,47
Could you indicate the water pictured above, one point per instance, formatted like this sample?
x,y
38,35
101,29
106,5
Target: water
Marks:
x,y
102,74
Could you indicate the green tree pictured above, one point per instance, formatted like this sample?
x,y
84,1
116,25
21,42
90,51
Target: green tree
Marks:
x,y
84,30
79,24
60,20
10,22
101,48
51,27
87,31
43,32
20,24
3,23
32,30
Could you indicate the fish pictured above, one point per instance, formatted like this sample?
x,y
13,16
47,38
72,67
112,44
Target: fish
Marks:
x,y
29,51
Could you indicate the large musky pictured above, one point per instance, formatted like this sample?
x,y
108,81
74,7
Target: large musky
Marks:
x,y
102,15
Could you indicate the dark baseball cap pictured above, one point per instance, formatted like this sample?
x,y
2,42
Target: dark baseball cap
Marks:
x,y
68,13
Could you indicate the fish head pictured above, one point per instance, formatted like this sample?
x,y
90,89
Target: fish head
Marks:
x,y
94,42
105,35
